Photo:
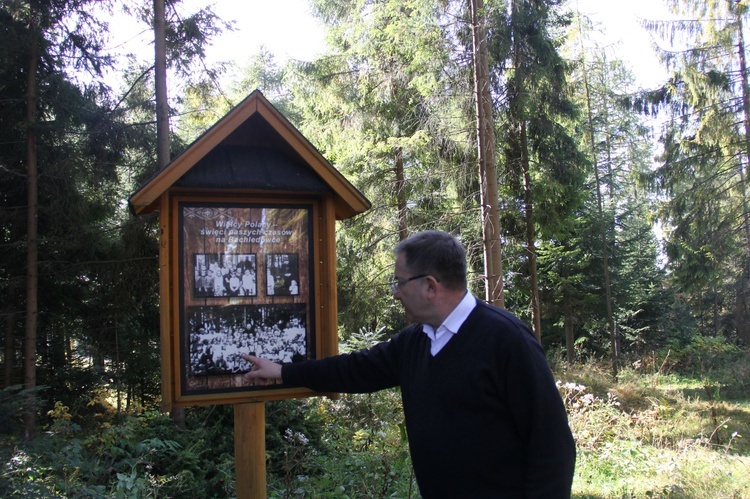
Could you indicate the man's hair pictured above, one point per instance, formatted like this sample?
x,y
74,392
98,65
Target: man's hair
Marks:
x,y
435,253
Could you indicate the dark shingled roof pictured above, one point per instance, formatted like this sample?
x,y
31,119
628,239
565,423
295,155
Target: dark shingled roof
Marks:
x,y
252,167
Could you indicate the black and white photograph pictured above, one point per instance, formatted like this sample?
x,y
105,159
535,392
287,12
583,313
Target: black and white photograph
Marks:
x,y
245,286
219,335
282,274
217,275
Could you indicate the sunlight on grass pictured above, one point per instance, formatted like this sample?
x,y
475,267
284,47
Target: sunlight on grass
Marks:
x,y
631,469
657,435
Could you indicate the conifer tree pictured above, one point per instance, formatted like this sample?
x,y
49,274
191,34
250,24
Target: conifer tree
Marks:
x,y
75,162
486,154
369,105
542,170
43,36
704,166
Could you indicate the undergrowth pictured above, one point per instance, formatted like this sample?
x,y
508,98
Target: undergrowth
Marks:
x,y
659,432
669,426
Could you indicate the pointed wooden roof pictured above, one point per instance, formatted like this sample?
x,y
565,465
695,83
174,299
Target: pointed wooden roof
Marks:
x,y
252,146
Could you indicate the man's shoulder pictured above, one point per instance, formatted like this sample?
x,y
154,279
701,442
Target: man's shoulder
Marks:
x,y
408,333
499,320
408,338
492,312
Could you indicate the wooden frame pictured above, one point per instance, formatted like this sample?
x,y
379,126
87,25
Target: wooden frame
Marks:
x,y
253,124
294,177
187,381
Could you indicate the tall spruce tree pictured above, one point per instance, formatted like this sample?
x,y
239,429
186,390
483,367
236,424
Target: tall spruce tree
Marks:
x,y
704,169
369,105
542,172
618,144
79,158
42,37
486,154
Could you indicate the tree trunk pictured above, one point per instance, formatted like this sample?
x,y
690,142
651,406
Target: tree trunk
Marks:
x,y
162,119
32,249
160,80
518,115
600,212
742,312
493,262
569,329
608,228
9,352
403,231
536,309
746,155
118,370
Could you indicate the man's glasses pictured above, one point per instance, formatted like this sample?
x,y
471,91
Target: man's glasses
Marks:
x,y
400,282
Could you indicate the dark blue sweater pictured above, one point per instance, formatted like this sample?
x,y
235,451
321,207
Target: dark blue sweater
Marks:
x,y
484,416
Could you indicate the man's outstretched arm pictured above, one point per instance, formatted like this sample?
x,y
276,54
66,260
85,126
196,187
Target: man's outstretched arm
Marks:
x,y
359,372
264,370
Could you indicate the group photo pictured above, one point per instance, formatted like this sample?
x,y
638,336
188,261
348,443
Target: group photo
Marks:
x,y
225,275
218,335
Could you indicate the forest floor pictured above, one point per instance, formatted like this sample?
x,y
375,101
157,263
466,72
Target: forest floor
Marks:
x,y
650,433
655,431
660,435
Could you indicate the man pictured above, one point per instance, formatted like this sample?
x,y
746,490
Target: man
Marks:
x,y
483,414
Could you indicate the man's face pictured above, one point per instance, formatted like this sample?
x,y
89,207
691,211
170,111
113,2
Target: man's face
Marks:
x,y
409,293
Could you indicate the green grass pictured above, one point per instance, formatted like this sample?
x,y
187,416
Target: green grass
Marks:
x,y
654,435
648,434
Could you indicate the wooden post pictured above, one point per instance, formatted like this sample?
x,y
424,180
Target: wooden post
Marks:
x,y
250,450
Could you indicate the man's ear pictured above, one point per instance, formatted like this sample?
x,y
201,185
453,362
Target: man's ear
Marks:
x,y
432,284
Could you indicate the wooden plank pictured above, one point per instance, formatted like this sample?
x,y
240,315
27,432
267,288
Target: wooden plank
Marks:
x,y
329,310
174,303
165,317
250,450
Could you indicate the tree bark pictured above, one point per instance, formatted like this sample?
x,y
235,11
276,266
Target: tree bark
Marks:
x,y
746,113
162,120
569,329
10,326
160,80
523,151
493,262
32,249
403,231
536,308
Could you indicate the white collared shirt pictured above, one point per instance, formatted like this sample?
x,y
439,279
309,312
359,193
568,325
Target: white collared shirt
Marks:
x,y
451,324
